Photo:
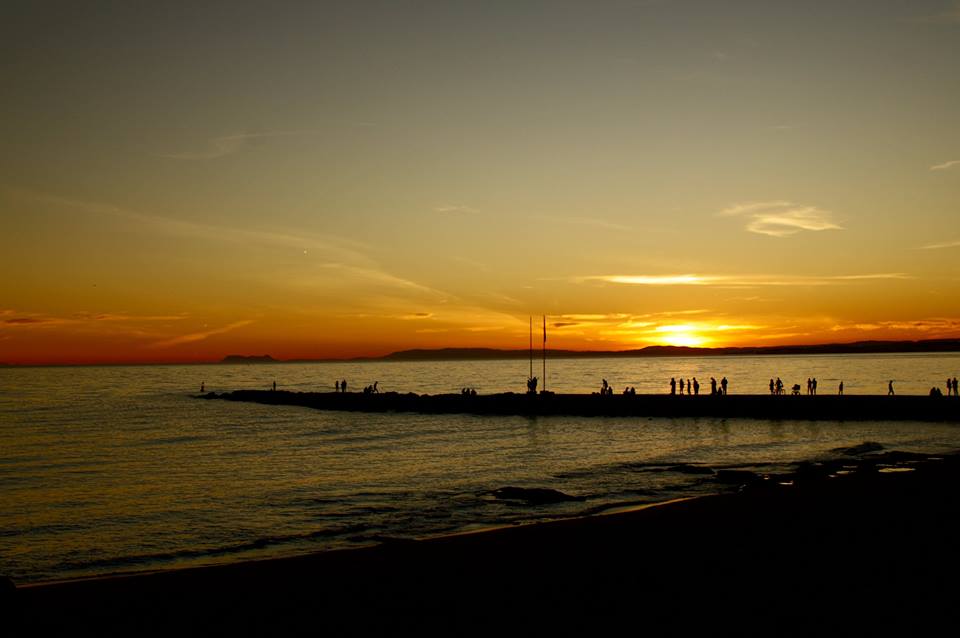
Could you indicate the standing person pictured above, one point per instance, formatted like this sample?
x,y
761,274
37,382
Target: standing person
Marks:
x,y
202,386
343,386
841,388
673,386
696,387
723,386
274,386
681,386
772,386
336,384
779,386
713,385
890,392
813,386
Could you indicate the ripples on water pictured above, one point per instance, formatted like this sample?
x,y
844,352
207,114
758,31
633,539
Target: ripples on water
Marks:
x,y
117,468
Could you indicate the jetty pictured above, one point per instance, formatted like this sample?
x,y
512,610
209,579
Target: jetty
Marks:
x,y
755,406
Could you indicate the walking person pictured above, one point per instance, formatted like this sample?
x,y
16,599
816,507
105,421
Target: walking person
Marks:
x,y
890,391
673,386
723,386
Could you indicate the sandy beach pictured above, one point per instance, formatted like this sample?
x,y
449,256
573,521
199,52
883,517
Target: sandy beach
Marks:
x,y
864,544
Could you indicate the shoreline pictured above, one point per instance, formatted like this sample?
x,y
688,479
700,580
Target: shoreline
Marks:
x,y
814,540
758,406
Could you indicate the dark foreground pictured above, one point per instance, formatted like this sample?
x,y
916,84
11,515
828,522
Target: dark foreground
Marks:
x,y
865,551
823,407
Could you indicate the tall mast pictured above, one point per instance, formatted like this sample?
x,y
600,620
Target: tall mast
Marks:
x,y
531,348
544,352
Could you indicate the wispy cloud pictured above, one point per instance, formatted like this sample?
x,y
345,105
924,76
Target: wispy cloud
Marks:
x,y
455,208
946,244
583,221
735,280
945,165
230,144
202,335
781,218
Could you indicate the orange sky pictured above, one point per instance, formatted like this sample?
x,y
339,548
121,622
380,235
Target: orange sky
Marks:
x,y
314,182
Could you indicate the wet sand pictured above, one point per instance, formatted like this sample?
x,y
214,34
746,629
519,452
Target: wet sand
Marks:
x,y
869,544
822,407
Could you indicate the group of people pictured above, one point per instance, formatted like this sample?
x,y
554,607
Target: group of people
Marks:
x,y
341,386
692,386
468,392
951,389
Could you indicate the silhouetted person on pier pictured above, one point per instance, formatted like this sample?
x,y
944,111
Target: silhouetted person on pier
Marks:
x,y
375,389
779,386
713,386
772,387
673,386
841,389
814,386
809,386
890,391
681,386
343,386
336,384
202,386
274,386
723,386
532,385
696,387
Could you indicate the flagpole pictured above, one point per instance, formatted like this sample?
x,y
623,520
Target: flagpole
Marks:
x,y
544,353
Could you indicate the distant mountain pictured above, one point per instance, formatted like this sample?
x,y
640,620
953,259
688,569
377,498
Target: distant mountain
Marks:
x,y
241,358
859,347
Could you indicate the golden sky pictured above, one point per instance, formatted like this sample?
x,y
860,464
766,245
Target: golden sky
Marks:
x,y
178,183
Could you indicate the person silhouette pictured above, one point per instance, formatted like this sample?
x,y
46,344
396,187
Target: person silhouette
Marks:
x,y
713,385
841,388
343,386
274,386
696,387
723,386
673,386
772,386
890,388
202,386
813,386
336,384
681,386
375,389
779,386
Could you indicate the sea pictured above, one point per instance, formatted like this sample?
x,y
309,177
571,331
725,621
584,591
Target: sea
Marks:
x,y
119,469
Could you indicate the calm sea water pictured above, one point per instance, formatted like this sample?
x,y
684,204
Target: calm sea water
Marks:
x,y
108,469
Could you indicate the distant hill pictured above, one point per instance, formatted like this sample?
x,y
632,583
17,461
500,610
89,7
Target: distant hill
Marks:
x,y
859,347
241,358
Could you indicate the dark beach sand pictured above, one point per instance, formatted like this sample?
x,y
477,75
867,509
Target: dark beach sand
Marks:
x,y
758,406
867,551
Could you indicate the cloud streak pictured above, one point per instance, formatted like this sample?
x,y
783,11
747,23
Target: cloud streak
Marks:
x,y
945,165
946,244
199,336
449,209
231,144
781,218
735,280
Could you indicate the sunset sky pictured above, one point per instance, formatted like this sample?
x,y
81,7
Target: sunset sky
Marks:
x,y
178,183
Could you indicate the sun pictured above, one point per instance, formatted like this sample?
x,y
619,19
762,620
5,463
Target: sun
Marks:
x,y
680,335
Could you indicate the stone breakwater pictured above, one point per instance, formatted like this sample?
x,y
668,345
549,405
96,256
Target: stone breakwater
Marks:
x,y
822,407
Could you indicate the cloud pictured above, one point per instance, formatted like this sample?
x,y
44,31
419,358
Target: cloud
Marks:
x,y
945,165
200,336
781,218
735,280
31,321
230,144
583,221
946,244
455,208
